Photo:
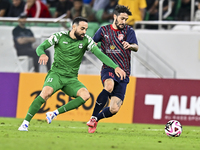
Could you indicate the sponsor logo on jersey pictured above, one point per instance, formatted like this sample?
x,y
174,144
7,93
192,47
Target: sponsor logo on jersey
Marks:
x,y
80,45
112,47
120,37
65,42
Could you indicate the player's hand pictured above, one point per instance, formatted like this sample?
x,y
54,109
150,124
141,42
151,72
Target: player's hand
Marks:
x,y
43,59
120,73
126,45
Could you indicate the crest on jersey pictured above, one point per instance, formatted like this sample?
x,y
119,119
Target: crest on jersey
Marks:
x,y
120,37
80,45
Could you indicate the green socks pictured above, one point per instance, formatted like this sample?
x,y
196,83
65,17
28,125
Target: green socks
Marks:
x,y
34,108
71,105
36,104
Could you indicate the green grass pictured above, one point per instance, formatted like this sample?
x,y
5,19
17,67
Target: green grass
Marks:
x,y
69,135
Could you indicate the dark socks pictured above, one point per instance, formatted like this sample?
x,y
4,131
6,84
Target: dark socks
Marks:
x,y
100,102
104,114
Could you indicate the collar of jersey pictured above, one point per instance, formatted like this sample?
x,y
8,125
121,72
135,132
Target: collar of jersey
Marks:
x,y
114,29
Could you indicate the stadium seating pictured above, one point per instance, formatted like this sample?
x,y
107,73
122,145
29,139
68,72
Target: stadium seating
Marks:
x,y
98,15
52,10
92,28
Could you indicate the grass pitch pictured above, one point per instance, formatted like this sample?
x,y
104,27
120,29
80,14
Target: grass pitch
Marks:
x,y
69,135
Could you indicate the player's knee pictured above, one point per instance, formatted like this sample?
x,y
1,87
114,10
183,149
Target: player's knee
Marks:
x,y
84,94
109,89
46,92
109,85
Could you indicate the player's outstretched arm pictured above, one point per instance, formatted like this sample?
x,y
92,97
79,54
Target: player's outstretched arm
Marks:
x,y
106,60
40,52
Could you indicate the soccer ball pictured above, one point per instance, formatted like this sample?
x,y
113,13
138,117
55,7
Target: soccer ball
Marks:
x,y
173,128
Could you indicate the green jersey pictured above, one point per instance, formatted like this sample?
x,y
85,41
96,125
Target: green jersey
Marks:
x,y
69,52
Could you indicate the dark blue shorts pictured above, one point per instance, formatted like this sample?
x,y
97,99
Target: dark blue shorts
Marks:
x,y
120,85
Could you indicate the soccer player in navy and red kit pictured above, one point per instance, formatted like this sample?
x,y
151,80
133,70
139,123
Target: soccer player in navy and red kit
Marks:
x,y
117,42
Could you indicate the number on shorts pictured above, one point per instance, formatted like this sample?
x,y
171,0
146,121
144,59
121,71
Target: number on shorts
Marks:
x,y
50,80
111,74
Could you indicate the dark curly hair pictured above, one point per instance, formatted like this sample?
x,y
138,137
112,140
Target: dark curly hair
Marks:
x,y
122,9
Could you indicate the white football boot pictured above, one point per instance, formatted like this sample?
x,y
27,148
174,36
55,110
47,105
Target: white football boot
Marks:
x,y
50,116
23,127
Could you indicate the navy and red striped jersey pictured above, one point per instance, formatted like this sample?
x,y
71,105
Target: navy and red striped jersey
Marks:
x,y
111,44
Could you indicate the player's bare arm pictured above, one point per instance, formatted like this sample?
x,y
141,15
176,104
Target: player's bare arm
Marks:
x,y
43,59
132,47
120,73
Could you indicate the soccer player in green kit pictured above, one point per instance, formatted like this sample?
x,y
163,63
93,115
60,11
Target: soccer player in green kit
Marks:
x,y
70,47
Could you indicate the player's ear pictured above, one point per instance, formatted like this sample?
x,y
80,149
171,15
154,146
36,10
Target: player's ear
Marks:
x,y
74,26
114,16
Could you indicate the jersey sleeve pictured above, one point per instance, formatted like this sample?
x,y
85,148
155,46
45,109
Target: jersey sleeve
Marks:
x,y
97,36
52,40
100,55
131,37
91,44
42,47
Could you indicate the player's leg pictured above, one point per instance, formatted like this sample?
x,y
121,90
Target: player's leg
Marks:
x,y
108,77
51,85
101,100
107,112
103,96
82,96
76,89
116,102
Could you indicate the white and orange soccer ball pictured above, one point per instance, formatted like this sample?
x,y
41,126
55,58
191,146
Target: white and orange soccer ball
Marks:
x,y
173,128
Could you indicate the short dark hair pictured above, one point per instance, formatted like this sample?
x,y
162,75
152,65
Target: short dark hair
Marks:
x,y
121,9
78,19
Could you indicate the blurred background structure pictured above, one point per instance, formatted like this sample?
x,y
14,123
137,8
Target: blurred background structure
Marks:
x,y
168,33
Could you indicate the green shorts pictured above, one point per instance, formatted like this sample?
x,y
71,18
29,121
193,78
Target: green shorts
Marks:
x,y
69,85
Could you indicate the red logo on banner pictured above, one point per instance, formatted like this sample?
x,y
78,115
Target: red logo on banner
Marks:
x,y
160,100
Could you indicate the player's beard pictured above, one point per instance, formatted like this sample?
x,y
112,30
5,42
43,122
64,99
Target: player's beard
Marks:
x,y
118,25
78,36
